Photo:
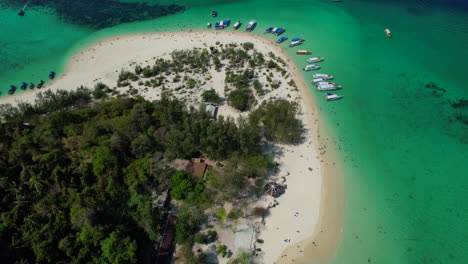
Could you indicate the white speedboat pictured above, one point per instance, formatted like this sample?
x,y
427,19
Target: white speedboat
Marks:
x,y
317,80
208,25
315,59
321,75
251,25
328,87
331,97
311,67
295,43
273,30
237,25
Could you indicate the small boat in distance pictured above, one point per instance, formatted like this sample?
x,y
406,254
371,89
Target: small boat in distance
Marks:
x,y
388,33
315,59
51,75
332,97
295,42
322,76
237,25
268,30
282,39
23,85
273,30
208,25
251,25
31,86
311,67
214,13
297,39
303,52
317,80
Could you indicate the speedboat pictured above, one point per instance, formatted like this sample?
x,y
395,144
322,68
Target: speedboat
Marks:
x,y
311,67
23,85
332,97
295,43
214,13
388,33
51,75
226,23
323,76
208,25
297,39
282,39
303,52
237,25
268,30
217,24
31,86
12,89
273,30
40,84
279,31
328,87
317,80
315,59
251,25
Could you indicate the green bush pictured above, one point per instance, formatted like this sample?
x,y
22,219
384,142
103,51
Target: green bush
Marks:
x,y
241,99
211,97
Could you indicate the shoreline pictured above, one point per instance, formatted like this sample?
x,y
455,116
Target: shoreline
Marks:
x,y
331,186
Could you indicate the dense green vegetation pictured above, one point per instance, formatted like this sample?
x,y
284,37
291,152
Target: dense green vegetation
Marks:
x,y
241,99
77,176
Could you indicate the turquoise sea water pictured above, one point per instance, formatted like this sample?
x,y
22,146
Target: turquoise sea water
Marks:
x,y
403,144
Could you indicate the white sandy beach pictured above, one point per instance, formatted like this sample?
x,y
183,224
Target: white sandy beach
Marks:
x,y
309,213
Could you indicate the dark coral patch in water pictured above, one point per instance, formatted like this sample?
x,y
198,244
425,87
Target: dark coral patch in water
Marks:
x,y
99,14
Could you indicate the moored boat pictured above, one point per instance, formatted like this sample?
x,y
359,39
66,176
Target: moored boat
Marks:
x,y
23,85
282,39
237,25
279,31
317,80
11,89
315,59
323,76
251,25
273,29
40,84
311,67
303,52
208,25
31,86
214,13
51,75
295,42
268,30
332,97
327,87
297,39
388,33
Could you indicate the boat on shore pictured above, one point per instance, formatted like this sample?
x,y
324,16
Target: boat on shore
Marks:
x,y
282,39
388,33
311,67
332,97
315,59
322,76
250,26
237,25
303,52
